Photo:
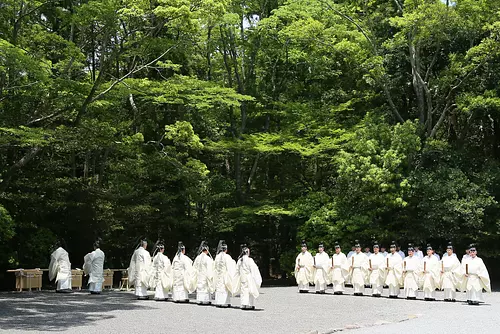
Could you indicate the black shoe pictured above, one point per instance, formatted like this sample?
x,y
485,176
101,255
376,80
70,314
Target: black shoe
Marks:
x,y
203,303
95,293
303,291
453,300
358,294
338,293
411,298
160,299
245,307
64,291
318,292
376,295
143,298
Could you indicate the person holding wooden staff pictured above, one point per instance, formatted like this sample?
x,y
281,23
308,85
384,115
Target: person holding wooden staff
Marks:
x,y
339,270
476,277
411,265
376,271
451,274
358,270
304,268
431,275
393,271
321,264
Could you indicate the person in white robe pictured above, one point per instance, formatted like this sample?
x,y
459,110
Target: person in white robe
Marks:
x,y
418,253
304,269
466,255
224,276
476,278
383,251
393,271
60,269
431,275
367,252
161,275
358,270
411,273
94,267
376,271
451,274
400,252
204,275
351,252
183,276
320,271
139,270
339,270
248,279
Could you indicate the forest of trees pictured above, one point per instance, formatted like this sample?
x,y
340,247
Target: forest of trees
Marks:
x,y
255,121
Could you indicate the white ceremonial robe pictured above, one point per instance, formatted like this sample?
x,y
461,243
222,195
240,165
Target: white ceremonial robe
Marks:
x,y
204,274
477,280
320,271
377,273
358,271
183,278
94,267
139,271
393,273
451,276
60,269
248,281
402,254
304,270
419,254
224,275
431,276
161,278
338,272
411,275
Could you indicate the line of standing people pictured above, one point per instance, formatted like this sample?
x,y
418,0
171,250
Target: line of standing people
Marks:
x,y
220,278
377,270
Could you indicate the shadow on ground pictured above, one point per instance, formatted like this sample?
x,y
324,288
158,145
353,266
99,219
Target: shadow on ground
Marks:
x,y
48,311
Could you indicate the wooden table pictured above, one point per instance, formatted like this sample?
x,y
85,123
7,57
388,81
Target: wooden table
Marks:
x,y
28,278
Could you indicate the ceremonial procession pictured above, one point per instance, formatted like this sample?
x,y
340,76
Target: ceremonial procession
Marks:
x,y
394,271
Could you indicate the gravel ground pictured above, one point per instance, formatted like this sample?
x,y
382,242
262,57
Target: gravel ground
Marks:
x,y
279,310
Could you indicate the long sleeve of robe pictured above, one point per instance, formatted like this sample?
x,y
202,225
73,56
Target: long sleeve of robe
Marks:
x,y
248,277
430,280
183,272
60,267
94,266
411,272
452,276
204,272
304,268
224,272
320,272
377,274
358,268
392,265
161,273
340,268
139,268
479,277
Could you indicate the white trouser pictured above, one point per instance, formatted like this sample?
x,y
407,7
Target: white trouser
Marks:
x,y
409,292
475,295
160,292
203,297
303,287
320,287
377,289
428,293
64,284
393,290
338,287
222,298
141,291
247,299
359,288
95,287
180,294
450,293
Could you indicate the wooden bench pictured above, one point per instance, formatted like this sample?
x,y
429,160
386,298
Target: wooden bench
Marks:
x,y
76,278
28,279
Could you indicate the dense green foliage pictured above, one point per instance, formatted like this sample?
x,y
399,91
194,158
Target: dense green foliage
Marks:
x,y
254,121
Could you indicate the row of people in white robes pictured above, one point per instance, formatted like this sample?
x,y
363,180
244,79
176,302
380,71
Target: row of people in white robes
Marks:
x,y
222,277
60,269
377,270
